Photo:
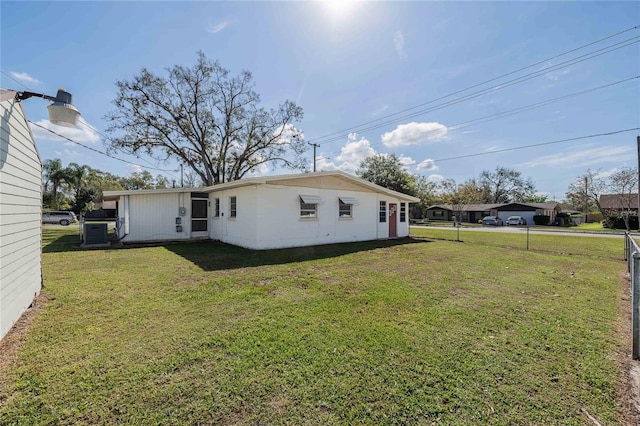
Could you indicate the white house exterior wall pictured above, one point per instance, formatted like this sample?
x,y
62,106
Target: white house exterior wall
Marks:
x,y
280,224
152,217
267,213
20,216
242,229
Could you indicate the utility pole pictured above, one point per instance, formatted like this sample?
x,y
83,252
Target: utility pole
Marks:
x,y
316,145
181,176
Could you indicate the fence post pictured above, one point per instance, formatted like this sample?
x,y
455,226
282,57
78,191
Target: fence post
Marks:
x,y
635,303
527,238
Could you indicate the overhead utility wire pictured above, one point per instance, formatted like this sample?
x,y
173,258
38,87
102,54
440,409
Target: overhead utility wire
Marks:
x,y
615,132
17,81
110,139
518,110
95,150
518,80
92,128
487,118
482,83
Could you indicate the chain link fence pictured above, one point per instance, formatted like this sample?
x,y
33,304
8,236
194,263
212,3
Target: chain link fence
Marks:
x,y
632,256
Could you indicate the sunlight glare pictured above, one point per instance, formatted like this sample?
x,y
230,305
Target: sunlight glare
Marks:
x,y
339,8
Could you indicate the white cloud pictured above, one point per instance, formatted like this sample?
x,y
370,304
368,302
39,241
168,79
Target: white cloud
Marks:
x,y
134,168
435,178
398,43
414,133
406,161
68,154
351,155
217,27
82,133
584,157
380,110
24,77
427,164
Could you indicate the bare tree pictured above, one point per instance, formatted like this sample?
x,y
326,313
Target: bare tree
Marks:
x,y
460,197
623,184
206,119
505,185
584,193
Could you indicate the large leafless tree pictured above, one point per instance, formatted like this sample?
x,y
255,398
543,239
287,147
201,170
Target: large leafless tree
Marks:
x,y
207,119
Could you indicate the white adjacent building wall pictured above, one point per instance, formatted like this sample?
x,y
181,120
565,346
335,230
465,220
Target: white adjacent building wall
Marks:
x,y
151,216
20,214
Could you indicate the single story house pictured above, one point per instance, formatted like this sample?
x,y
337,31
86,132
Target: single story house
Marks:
x,y
472,213
615,204
266,212
20,213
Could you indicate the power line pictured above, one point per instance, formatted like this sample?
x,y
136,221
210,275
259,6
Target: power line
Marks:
x,y
525,108
89,126
96,150
19,82
473,95
495,116
537,144
92,128
482,83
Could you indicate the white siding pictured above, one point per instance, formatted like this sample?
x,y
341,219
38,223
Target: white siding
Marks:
x,y
20,216
152,217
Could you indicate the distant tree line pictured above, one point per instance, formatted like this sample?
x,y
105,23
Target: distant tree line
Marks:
x,y
79,187
502,185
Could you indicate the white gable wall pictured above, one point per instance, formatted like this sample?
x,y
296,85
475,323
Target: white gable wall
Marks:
x,y
20,216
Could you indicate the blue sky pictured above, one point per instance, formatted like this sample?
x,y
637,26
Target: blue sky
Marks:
x,y
349,63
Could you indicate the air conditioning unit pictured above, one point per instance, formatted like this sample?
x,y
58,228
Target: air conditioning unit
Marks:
x,y
95,233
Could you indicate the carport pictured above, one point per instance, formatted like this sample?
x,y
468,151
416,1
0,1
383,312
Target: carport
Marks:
x,y
517,209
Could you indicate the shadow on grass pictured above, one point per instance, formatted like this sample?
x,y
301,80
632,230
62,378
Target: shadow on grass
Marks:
x,y
216,256
60,240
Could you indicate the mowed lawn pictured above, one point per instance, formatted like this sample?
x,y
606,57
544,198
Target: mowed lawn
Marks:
x,y
398,332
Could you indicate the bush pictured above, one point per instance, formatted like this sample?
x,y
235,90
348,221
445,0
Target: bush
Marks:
x,y
617,222
541,219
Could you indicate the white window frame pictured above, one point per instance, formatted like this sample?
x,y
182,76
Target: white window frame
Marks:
x,y
233,207
216,207
344,204
309,206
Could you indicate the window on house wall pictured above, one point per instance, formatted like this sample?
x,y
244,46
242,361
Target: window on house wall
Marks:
x,y
403,212
309,206
232,207
438,213
383,211
216,211
345,207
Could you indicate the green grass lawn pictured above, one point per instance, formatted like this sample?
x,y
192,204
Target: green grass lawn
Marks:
x,y
550,244
386,332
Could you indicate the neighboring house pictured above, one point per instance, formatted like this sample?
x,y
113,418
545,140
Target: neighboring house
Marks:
x,y
20,213
614,204
266,212
472,213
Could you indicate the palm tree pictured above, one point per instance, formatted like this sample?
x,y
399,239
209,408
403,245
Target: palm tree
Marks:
x,y
54,175
76,176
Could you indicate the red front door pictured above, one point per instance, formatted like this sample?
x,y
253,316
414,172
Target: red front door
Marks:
x,y
393,222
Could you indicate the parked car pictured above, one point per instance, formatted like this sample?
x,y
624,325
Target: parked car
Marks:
x,y
492,221
516,220
63,218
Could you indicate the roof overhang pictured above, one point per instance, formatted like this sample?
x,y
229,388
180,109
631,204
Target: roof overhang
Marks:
x,y
263,180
